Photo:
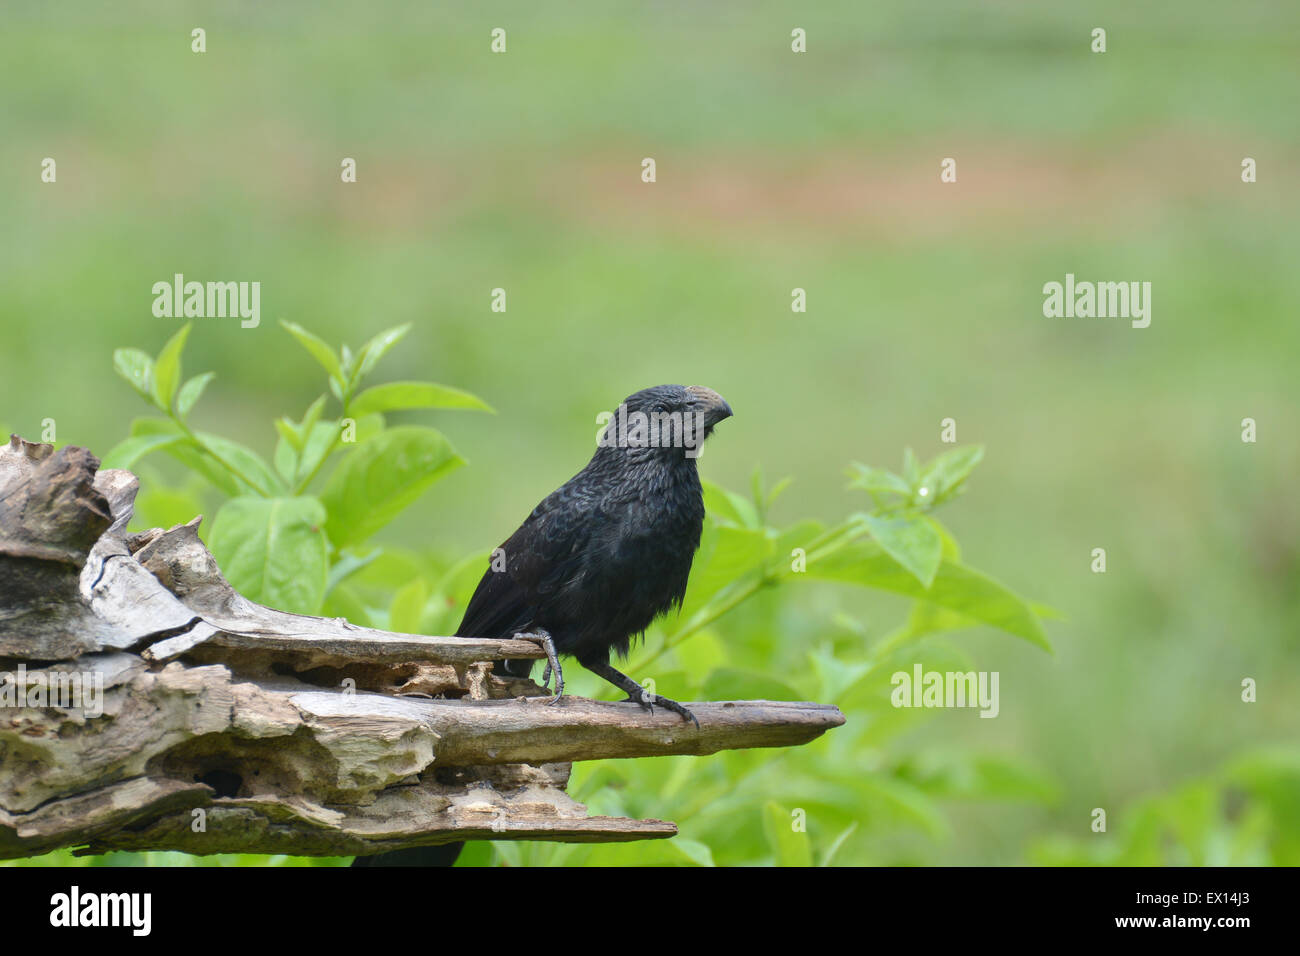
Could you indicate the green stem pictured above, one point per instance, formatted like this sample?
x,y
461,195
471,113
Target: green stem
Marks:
x,y
710,613
829,541
302,485
203,446
826,543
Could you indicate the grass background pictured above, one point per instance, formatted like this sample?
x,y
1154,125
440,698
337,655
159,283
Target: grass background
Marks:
x,y
775,170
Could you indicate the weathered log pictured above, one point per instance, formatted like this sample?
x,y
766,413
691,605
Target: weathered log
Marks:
x,y
145,704
53,510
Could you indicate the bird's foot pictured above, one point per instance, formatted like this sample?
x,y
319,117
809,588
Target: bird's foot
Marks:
x,y
543,640
648,701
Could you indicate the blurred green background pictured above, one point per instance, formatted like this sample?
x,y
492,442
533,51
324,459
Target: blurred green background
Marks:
x,y
775,171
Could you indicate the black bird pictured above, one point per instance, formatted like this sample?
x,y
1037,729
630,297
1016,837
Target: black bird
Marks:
x,y
609,550
600,558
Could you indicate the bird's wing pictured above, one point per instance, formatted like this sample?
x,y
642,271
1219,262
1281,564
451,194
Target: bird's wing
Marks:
x,y
543,556
497,609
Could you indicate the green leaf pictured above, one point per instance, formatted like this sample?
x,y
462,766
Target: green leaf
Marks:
x,y
951,549
927,618
310,418
839,842
320,351
700,655
347,565
789,846
160,506
285,458
734,553
776,491
955,587
911,469
381,477
408,607
273,550
798,535
127,452
694,851
167,368
729,506
344,602
188,454
872,692
452,592
678,851
322,440
877,481
835,674
913,542
289,432
376,349
293,436
390,567
190,392
393,396
137,368
246,466
943,477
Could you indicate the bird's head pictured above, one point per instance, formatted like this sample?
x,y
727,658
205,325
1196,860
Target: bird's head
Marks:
x,y
672,418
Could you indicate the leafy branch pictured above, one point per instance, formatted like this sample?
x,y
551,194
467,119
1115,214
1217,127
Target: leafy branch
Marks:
x,y
277,542
898,545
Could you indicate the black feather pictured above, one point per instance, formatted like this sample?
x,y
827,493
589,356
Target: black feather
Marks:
x,y
609,550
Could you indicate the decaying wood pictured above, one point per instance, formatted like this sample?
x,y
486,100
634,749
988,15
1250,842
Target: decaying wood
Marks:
x,y
204,722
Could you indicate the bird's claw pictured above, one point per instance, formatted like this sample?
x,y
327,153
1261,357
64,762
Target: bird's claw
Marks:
x,y
543,640
645,699
648,701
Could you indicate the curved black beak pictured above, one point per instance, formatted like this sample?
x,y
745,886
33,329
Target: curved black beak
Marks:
x,y
715,407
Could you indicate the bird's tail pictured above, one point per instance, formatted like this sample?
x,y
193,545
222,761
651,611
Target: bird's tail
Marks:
x,y
444,854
